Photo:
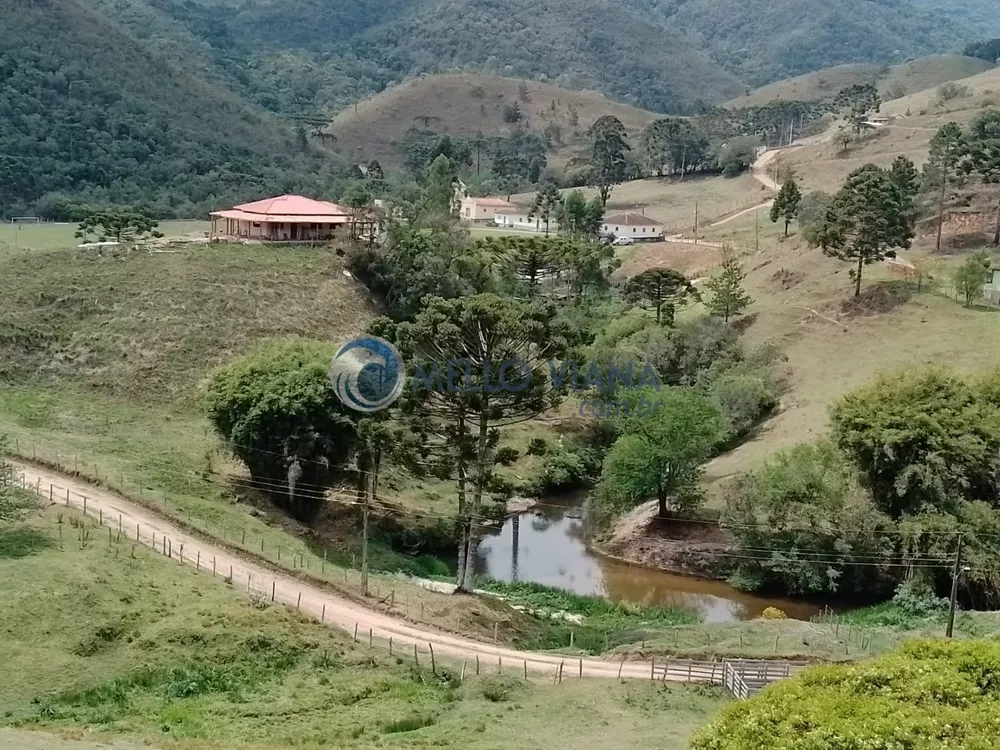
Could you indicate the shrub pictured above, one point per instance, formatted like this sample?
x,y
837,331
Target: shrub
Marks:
x,y
930,694
773,613
537,447
742,399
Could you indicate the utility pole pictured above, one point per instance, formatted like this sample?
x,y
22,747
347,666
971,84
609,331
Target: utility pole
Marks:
x,y
696,222
364,540
954,589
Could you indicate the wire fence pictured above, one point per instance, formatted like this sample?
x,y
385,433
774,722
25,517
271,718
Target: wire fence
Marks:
x,y
263,587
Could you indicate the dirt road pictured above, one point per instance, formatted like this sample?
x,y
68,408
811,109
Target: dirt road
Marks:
x,y
159,534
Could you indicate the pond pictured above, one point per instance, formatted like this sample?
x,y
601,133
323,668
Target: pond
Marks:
x,y
547,544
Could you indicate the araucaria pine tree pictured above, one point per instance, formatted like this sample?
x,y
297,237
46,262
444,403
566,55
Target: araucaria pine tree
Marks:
x,y
729,298
786,205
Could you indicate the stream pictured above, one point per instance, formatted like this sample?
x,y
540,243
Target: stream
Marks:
x,y
547,544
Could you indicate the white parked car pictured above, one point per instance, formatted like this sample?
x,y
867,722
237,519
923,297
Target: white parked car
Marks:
x,y
623,241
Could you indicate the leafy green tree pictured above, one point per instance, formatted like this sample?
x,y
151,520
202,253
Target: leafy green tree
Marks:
x,y
805,505
588,266
580,217
921,440
476,364
866,218
729,298
856,101
786,205
608,154
737,155
970,277
547,204
417,263
277,411
665,436
981,154
946,149
672,144
661,289
120,226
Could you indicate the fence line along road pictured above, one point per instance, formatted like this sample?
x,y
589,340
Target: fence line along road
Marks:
x,y
259,580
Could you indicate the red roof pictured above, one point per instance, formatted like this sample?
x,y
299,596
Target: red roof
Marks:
x,y
292,205
630,219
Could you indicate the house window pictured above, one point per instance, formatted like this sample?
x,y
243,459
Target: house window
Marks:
x,y
616,229
256,225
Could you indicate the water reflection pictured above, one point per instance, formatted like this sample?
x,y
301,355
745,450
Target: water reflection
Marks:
x,y
547,545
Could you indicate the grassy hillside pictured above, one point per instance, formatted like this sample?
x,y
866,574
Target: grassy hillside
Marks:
x,y
823,165
128,645
893,81
148,327
467,103
89,110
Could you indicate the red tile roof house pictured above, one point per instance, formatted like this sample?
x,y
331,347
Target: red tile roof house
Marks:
x,y
287,218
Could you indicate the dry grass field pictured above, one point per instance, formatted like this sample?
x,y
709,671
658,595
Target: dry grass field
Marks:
x,y
803,302
467,103
907,78
674,201
824,165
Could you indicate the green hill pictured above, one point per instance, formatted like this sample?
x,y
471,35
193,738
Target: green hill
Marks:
x,y
893,81
87,109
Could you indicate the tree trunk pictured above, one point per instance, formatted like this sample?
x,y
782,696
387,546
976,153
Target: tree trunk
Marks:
x,y
462,504
857,281
661,496
468,583
944,185
787,223
659,307
996,234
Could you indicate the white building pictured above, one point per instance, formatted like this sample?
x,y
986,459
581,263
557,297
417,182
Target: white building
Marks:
x,y
630,224
518,218
485,210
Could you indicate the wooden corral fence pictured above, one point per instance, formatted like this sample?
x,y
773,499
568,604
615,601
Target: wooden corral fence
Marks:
x,y
747,678
741,678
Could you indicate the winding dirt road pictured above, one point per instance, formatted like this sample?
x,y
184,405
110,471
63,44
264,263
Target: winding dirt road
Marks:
x,y
160,535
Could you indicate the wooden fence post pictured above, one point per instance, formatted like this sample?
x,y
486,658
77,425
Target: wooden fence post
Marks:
x,y
460,679
433,665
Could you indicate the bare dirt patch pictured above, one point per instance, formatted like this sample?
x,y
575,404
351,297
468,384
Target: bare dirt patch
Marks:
x,y
877,299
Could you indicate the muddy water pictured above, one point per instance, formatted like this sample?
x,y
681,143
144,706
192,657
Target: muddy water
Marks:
x,y
548,544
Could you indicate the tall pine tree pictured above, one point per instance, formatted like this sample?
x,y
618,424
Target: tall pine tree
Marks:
x,y
786,205
729,298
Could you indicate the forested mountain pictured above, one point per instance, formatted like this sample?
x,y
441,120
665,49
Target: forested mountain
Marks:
x,y
312,56
86,110
190,103
766,40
